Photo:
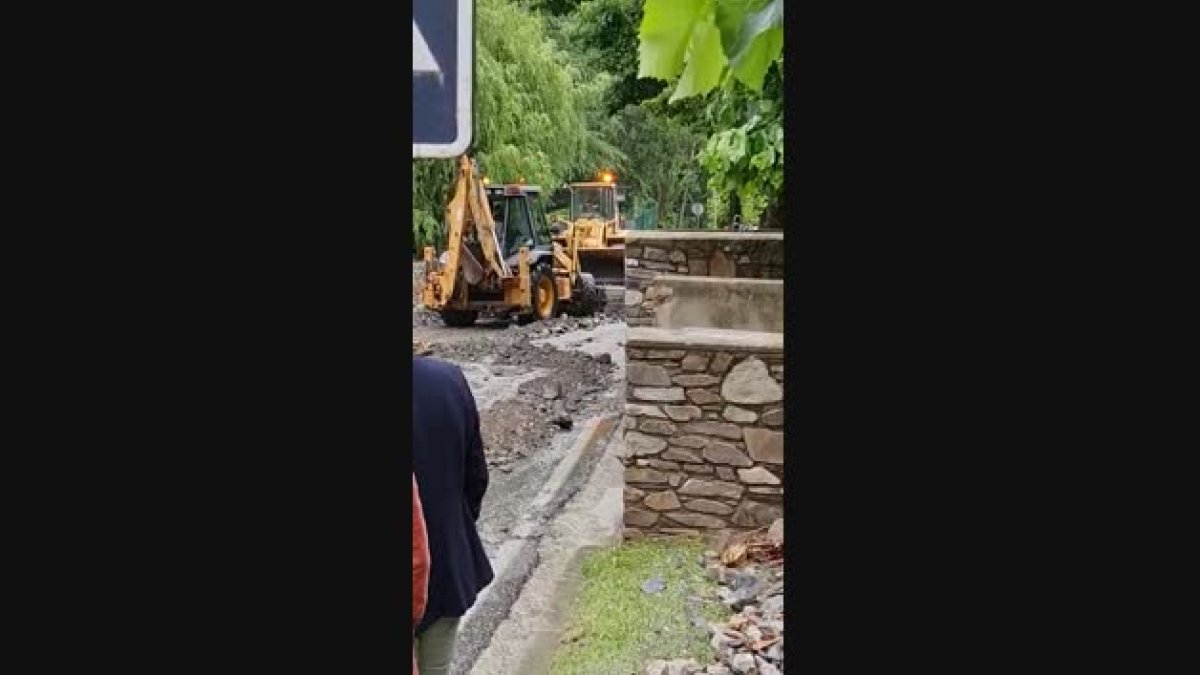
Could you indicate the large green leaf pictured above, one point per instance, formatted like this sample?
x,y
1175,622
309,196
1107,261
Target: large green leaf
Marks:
x,y
729,17
667,27
705,62
759,44
751,65
761,19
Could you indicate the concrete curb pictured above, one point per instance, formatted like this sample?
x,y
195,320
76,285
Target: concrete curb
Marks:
x,y
517,558
527,640
537,653
597,429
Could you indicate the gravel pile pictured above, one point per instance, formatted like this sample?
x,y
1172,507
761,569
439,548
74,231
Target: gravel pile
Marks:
x,y
751,642
750,573
751,576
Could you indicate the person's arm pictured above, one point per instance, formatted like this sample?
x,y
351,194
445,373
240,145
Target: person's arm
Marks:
x,y
420,560
476,462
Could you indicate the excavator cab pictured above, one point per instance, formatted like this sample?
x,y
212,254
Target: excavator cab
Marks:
x,y
593,201
519,220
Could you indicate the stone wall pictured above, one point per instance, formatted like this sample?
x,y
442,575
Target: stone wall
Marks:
x,y
708,253
703,430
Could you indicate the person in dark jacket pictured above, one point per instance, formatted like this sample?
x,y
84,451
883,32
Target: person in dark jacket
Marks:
x,y
452,475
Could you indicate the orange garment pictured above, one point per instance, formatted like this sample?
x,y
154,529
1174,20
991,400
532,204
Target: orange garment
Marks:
x,y
420,564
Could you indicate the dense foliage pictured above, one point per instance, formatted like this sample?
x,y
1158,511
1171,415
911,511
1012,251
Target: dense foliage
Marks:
x,y
682,97
660,163
744,158
604,34
736,45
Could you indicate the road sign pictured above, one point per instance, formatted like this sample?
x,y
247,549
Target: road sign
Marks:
x,y
443,70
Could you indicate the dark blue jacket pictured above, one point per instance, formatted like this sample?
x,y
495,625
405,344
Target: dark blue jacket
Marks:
x,y
452,473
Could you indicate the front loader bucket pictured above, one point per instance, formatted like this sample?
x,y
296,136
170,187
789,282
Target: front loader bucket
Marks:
x,y
607,265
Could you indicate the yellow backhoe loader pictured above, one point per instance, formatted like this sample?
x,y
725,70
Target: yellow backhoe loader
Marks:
x,y
501,260
597,229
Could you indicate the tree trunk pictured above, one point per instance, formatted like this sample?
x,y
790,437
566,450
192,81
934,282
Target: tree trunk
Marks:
x,y
774,218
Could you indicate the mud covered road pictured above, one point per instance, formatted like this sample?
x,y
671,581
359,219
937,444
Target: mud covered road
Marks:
x,y
536,387
530,382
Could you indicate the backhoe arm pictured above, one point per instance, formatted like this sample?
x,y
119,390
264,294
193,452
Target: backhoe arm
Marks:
x,y
485,227
468,201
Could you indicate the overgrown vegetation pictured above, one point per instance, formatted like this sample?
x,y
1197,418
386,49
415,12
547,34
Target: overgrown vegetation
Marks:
x,y
682,97
736,48
616,626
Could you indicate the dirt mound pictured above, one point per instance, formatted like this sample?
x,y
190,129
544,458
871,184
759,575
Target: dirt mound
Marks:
x,y
574,387
512,430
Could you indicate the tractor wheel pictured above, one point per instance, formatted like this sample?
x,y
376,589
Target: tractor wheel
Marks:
x,y
589,299
545,296
459,318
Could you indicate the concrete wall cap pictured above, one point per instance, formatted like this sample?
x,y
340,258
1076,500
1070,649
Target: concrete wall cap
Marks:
x,y
677,280
701,235
717,339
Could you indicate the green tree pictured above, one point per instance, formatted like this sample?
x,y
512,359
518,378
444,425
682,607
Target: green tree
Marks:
x,y
744,157
604,34
555,7
731,53
659,159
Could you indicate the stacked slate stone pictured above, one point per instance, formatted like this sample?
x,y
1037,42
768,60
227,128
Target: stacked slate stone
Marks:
x,y
751,642
704,441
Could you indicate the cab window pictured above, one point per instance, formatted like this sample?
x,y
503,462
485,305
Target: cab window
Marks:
x,y
518,231
541,230
498,213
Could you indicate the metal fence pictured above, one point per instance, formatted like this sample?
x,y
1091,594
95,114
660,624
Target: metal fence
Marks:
x,y
645,215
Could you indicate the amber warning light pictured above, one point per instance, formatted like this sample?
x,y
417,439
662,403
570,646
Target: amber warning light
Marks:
x,y
606,177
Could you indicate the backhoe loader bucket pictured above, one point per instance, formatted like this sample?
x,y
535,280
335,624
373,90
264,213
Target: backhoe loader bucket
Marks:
x,y
606,264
